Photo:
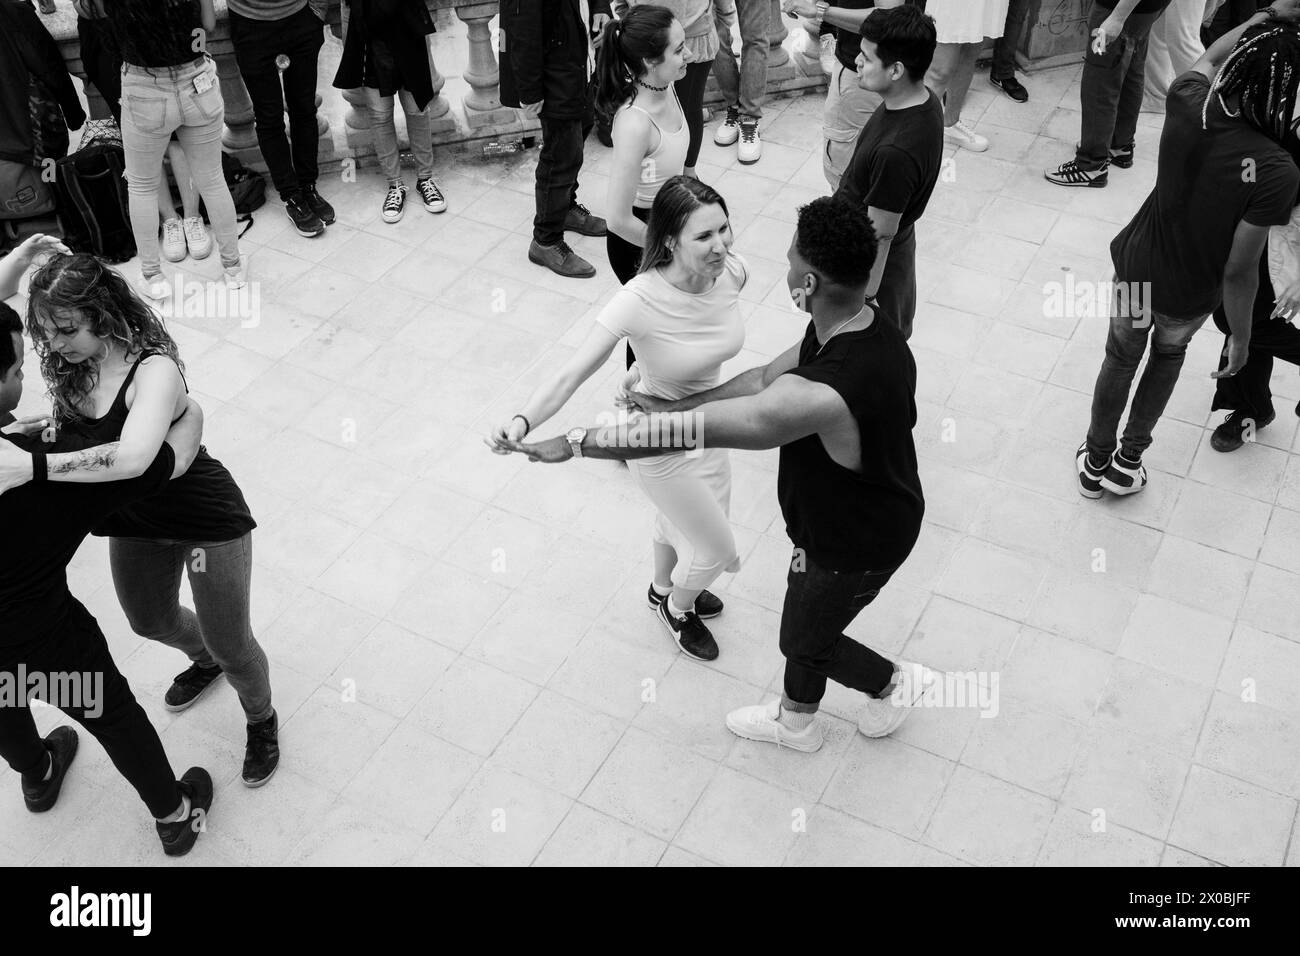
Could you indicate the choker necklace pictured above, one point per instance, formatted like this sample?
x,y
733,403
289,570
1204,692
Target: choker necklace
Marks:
x,y
837,328
657,89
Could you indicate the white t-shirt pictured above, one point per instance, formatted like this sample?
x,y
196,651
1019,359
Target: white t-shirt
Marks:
x,y
681,339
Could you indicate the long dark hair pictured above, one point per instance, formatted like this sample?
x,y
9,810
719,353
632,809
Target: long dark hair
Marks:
x,y
1263,71
105,301
673,205
145,28
625,47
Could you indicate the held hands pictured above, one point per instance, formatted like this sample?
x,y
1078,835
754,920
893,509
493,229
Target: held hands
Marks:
x,y
800,8
30,425
552,451
1110,29
503,436
1237,353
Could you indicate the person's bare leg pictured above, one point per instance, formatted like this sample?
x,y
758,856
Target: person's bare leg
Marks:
x,y
959,81
942,68
665,561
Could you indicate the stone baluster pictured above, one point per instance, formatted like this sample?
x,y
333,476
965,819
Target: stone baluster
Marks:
x,y
806,49
239,134
483,102
779,66
440,118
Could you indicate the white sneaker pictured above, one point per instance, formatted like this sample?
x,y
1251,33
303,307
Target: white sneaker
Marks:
x,y
729,130
751,144
156,287
760,723
173,240
965,137
234,275
197,238
882,717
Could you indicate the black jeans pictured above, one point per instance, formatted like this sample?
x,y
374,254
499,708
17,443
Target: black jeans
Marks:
x,y
1111,90
558,164
120,724
625,260
819,605
1004,48
257,43
1248,391
690,90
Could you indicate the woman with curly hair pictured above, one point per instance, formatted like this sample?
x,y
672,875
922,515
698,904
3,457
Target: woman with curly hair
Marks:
x,y
117,382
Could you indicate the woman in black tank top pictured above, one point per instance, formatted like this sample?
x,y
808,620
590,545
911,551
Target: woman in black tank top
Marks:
x,y
116,379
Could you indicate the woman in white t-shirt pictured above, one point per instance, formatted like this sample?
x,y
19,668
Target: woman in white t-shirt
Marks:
x,y
681,313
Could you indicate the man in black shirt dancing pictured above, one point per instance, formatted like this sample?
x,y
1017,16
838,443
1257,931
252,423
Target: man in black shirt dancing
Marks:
x,y
840,404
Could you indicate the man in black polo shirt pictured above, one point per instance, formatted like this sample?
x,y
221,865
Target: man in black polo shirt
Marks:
x,y
50,637
841,406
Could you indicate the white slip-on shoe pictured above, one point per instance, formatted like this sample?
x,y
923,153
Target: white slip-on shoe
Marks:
x,y
881,717
760,723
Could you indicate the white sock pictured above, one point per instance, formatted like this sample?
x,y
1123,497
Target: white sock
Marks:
x,y
675,611
662,592
184,813
794,720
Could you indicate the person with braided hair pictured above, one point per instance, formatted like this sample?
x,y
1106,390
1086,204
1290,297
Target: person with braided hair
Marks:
x,y
1224,177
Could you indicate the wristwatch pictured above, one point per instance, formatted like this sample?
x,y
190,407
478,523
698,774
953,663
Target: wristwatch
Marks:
x,y
822,7
574,437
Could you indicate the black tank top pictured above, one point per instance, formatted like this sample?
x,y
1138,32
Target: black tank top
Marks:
x,y
843,520
171,42
204,504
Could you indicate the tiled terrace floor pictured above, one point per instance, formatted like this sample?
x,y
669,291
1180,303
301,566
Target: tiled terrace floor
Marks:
x,y
515,703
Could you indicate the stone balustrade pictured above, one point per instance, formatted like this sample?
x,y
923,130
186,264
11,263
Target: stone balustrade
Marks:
x,y
466,109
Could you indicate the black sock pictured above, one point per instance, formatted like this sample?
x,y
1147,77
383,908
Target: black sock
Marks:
x,y
1094,465
1127,461
38,775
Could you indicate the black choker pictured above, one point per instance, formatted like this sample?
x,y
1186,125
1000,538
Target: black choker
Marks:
x,y
657,89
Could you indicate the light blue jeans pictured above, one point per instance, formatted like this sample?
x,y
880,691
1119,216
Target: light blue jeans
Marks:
x,y
418,130
155,103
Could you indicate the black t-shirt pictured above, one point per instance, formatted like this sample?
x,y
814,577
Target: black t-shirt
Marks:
x,y
847,521
897,159
1208,181
848,43
204,504
44,524
170,41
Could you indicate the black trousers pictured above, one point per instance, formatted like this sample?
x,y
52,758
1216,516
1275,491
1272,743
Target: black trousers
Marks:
x,y
1248,391
1004,48
690,90
819,605
257,44
625,260
116,720
558,164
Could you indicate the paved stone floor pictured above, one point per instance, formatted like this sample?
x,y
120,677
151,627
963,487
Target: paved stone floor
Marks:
x,y
462,659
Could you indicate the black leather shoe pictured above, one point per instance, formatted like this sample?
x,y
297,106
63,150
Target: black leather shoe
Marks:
x,y
178,838
62,746
1012,87
189,685
580,220
1231,435
262,755
707,605
561,260
323,210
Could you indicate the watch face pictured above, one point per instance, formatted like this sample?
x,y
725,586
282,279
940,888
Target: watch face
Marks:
x,y
576,434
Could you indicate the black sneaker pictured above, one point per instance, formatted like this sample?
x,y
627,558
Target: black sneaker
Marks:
x,y
178,838
262,755
690,634
708,605
62,746
1012,87
580,220
1072,174
317,204
304,219
394,202
431,195
1122,158
1231,435
1089,477
188,685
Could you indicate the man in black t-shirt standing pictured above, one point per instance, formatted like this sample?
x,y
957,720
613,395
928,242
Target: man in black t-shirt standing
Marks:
x,y
1222,180
50,640
899,153
841,406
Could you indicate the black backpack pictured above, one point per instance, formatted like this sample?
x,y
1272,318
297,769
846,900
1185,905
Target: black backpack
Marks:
x,y
90,191
247,188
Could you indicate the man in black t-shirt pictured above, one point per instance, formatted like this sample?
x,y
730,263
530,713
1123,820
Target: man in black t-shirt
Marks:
x,y
841,406
1222,180
899,153
49,640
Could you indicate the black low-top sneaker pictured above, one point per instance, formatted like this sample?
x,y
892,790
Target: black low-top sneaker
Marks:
x,y
62,746
188,686
1236,430
316,202
262,755
580,220
1012,87
1122,158
178,838
1072,174
301,215
690,634
394,203
708,605
431,195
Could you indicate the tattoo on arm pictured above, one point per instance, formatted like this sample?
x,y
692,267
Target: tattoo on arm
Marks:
x,y
99,458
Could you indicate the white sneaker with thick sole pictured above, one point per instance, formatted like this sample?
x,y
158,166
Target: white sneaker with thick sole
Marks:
x,y
197,238
728,130
882,717
760,723
962,135
750,149
173,240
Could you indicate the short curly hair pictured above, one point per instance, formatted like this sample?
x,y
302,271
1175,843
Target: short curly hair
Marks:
x,y
835,236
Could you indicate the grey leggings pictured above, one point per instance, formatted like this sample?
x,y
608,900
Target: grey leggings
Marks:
x,y
147,576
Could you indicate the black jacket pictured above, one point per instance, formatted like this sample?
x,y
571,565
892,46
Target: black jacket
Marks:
x,y
544,55
34,82
400,26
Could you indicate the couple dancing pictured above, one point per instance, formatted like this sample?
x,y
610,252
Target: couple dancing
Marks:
x,y
840,405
